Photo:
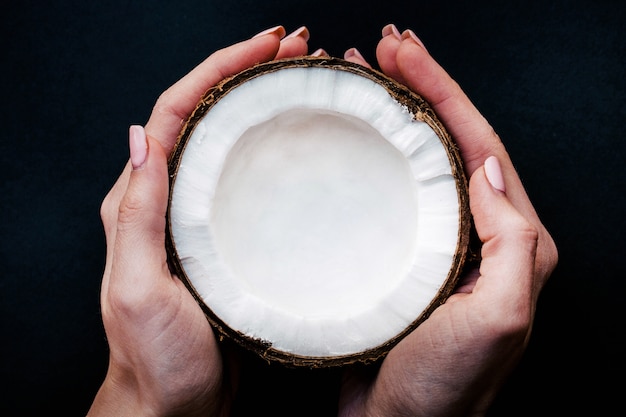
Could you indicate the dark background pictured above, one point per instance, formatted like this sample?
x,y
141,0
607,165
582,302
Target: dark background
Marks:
x,y
548,75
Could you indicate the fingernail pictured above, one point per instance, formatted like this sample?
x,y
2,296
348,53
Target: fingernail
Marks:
x,y
138,145
353,53
493,172
302,32
276,30
409,34
391,29
319,53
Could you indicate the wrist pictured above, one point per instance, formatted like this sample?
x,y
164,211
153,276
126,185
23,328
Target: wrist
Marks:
x,y
120,399
124,395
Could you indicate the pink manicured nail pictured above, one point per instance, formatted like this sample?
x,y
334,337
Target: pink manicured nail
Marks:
x,y
319,53
493,172
138,145
278,30
409,34
302,32
353,53
391,29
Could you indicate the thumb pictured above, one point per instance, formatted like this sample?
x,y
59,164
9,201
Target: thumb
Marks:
x,y
139,251
509,241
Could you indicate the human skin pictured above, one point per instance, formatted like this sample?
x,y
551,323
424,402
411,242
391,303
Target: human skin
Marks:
x,y
164,358
455,362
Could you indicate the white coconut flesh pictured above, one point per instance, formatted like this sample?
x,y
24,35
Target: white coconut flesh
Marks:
x,y
312,212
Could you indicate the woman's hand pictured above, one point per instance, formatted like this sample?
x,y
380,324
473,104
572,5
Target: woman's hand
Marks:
x,y
163,356
454,363
164,359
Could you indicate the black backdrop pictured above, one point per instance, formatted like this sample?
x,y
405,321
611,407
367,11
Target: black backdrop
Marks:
x,y
549,76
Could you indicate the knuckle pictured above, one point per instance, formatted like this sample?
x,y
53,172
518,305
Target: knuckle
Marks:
x,y
529,234
127,303
108,210
524,230
129,212
547,254
511,322
164,104
135,302
160,106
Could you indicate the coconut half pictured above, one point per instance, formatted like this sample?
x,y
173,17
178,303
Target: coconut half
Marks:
x,y
318,211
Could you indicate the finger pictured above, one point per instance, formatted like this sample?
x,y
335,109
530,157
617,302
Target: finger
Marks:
x,y
320,53
387,50
353,55
494,321
474,135
294,44
178,101
108,214
139,249
509,244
